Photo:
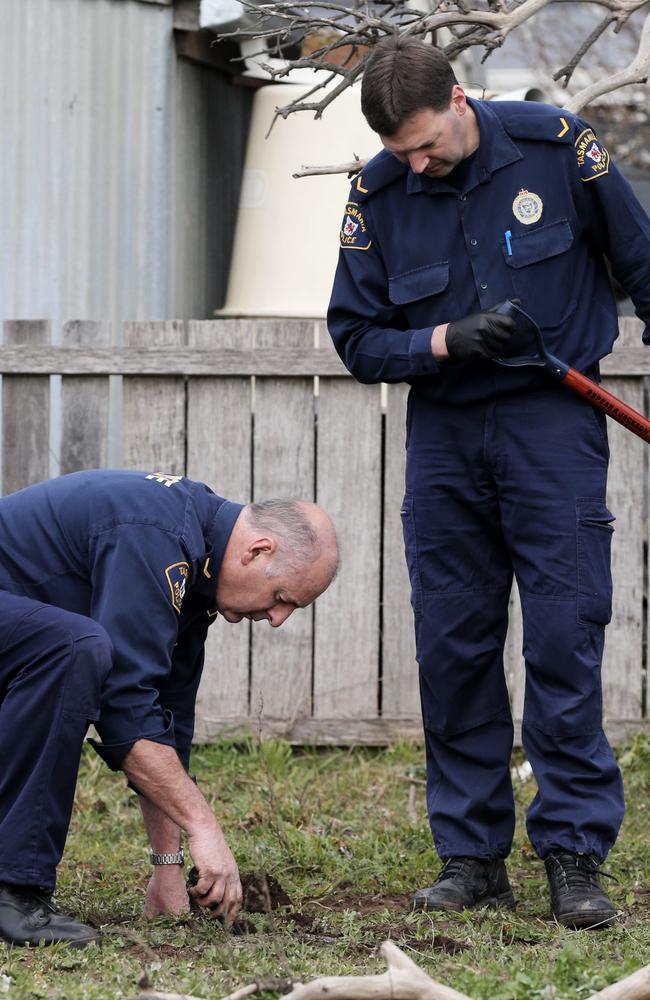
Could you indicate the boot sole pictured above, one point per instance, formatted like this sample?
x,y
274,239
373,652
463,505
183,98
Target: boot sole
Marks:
x,y
579,920
42,942
504,901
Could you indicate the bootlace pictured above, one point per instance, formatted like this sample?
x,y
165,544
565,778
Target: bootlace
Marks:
x,y
453,867
580,870
39,897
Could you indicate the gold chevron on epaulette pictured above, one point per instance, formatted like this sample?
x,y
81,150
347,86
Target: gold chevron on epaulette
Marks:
x,y
380,171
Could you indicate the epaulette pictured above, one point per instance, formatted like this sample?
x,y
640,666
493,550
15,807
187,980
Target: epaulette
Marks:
x,y
383,169
532,120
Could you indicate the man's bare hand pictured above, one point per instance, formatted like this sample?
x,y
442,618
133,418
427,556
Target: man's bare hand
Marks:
x,y
218,886
155,770
166,892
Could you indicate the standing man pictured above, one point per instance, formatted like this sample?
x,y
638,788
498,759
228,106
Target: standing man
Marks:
x,y
468,205
109,581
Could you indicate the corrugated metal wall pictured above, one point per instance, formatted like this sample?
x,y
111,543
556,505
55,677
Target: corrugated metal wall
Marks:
x,y
120,167
109,204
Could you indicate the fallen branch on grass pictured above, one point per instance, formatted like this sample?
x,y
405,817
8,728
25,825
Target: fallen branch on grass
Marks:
x,y
634,987
403,980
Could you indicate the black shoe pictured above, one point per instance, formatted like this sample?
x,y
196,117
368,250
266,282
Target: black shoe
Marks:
x,y
467,883
29,917
577,898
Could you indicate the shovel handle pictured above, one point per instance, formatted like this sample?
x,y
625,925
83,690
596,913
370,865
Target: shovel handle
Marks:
x,y
612,405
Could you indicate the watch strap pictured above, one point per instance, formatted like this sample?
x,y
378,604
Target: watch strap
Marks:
x,y
168,859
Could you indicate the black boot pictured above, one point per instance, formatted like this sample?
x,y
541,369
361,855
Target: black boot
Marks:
x,y
467,883
29,917
577,898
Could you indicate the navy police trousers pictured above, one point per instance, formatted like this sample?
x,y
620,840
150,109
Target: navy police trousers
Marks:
x,y
515,484
52,666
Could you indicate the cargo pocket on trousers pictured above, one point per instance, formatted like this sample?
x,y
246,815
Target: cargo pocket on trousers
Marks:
x,y
594,542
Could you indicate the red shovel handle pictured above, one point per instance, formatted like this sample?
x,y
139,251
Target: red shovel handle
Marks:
x,y
613,407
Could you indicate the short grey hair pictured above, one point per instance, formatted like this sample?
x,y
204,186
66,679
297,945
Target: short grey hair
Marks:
x,y
285,519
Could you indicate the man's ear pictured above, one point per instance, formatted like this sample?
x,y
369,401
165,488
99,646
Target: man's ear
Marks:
x,y
261,546
458,99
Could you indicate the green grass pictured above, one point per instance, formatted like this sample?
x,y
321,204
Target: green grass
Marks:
x,y
334,829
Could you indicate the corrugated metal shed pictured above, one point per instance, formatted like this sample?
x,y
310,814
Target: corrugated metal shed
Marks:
x,y
120,168
120,165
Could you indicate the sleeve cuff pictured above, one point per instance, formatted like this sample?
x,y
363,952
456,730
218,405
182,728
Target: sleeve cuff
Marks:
x,y
114,753
422,360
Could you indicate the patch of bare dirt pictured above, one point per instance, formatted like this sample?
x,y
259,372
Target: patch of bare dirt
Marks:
x,y
364,904
262,893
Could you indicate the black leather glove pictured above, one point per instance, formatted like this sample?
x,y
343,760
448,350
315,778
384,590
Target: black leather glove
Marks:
x,y
483,335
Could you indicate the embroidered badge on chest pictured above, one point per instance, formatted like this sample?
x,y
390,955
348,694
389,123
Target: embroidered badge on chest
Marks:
x,y
527,207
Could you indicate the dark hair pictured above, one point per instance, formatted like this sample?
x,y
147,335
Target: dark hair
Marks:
x,y
402,76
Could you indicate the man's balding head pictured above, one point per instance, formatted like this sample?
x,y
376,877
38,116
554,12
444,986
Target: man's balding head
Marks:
x,y
282,554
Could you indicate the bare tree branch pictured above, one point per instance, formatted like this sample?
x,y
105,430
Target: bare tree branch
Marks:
x,y
403,980
636,72
342,168
567,71
472,23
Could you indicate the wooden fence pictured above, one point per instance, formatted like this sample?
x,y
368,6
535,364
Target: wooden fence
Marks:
x,y
236,403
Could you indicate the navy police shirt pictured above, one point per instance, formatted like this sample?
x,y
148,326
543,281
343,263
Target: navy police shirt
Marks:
x,y
532,215
139,553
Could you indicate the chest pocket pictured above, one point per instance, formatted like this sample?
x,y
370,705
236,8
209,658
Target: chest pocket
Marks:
x,y
543,272
423,294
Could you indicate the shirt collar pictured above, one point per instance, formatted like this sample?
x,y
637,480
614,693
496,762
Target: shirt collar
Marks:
x,y
218,533
496,149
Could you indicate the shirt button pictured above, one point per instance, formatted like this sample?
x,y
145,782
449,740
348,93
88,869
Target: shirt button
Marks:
x,y
484,285
463,197
474,242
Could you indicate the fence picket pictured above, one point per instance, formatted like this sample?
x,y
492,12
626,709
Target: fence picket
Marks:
x,y
346,648
622,677
25,413
219,441
84,403
283,465
622,687
400,688
153,421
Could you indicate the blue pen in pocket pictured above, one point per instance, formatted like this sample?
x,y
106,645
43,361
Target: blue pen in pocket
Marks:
x,y
508,237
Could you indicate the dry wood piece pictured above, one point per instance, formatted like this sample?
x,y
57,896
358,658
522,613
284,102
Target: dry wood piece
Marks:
x,y
262,986
403,980
634,987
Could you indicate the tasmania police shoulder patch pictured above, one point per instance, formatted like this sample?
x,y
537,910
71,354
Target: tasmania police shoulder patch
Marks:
x,y
593,158
177,576
354,233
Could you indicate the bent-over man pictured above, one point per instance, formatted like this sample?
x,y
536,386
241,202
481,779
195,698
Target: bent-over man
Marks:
x,y
109,581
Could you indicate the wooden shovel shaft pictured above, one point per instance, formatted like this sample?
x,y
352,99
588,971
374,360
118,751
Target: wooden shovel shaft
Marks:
x,y
612,405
